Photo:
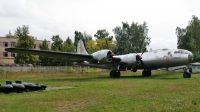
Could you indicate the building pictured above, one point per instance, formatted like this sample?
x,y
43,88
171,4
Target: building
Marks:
x,y
8,57
195,67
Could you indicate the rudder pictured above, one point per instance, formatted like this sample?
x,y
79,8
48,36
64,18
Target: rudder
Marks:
x,y
81,48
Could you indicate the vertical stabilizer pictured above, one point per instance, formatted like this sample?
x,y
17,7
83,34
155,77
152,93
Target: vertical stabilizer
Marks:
x,y
81,48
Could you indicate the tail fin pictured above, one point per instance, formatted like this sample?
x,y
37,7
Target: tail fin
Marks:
x,y
81,48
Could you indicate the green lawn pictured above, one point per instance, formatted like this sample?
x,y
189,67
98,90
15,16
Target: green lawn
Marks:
x,y
163,91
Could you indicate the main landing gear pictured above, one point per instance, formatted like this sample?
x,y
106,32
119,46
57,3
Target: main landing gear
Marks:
x,y
115,74
146,73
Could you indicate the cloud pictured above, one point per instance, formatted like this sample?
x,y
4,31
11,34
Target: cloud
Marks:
x,y
62,17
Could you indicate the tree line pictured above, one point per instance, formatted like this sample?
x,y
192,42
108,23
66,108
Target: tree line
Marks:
x,y
189,37
129,38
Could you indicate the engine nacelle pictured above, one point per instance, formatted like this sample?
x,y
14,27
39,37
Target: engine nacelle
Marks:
x,y
102,56
129,58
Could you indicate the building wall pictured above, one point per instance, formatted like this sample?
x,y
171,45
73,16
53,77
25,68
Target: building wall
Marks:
x,y
8,57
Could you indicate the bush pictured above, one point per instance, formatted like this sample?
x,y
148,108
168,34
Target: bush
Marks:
x,y
1,71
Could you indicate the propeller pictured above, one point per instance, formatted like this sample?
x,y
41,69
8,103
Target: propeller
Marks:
x,y
111,56
138,61
107,44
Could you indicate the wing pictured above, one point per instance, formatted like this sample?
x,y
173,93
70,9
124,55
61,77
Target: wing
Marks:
x,y
70,56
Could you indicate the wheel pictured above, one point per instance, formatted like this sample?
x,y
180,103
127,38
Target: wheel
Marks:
x,y
112,73
186,75
146,73
189,75
117,75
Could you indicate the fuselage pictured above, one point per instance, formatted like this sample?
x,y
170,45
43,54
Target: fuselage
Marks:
x,y
166,58
152,60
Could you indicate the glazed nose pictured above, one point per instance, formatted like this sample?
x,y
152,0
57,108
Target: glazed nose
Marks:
x,y
190,57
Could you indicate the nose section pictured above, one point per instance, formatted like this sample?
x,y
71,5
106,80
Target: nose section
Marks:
x,y
190,56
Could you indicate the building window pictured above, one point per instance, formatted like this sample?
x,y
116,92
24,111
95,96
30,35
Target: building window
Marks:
x,y
5,54
12,44
34,46
5,44
12,54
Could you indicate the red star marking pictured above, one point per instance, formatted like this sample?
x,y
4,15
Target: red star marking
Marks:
x,y
166,59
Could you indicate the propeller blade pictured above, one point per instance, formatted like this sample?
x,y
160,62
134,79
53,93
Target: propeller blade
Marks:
x,y
143,64
142,53
134,65
107,44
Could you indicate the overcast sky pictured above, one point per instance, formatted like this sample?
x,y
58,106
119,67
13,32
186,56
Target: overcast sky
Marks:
x,y
62,17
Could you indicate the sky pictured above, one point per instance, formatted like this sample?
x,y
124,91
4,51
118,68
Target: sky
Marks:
x,y
46,18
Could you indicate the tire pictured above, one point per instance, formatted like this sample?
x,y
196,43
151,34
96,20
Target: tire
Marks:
x,y
146,73
134,70
186,75
117,75
112,74
189,75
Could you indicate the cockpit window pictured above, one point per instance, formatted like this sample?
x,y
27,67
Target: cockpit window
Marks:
x,y
182,52
178,52
185,52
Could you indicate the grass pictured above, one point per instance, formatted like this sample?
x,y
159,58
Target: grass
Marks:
x,y
163,91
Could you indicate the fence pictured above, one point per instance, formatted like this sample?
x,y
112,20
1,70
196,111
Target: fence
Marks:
x,y
41,68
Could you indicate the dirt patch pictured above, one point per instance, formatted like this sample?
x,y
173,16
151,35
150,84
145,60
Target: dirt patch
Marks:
x,y
57,88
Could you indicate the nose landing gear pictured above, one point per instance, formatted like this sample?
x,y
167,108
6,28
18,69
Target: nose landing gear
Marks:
x,y
186,73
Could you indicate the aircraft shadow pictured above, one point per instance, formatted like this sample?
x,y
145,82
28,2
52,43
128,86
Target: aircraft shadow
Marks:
x,y
86,79
155,76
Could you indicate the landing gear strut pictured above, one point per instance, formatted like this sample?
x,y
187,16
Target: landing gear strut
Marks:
x,y
146,73
115,74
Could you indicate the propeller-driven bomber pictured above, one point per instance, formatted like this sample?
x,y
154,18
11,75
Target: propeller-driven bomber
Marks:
x,y
106,59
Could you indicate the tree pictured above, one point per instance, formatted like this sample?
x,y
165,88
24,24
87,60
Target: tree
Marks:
x,y
104,41
44,60
24,41
131,38
10,35
91,46
189,37
57,43
85,37
78,36
103,34
68,46
185,41
105,44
